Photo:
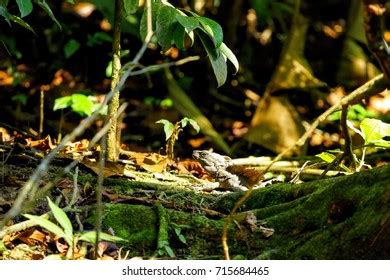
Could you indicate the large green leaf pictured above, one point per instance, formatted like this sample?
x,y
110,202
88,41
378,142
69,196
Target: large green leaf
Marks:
x,y
189,23
131,6
230,56
165,26
179,36
374,130
143,26
81,104
216,58
212,28
25,7
62,219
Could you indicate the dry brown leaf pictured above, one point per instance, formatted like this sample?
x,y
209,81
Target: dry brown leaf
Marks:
x,y
110,168
32,237
42,144
151,162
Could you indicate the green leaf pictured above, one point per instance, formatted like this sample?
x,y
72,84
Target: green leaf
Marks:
x,y
192,122
217,60
213,29
374,130
62,103
103,110
165,26
169,251
62,219
168,128
71,47
109,69
81,104
4,13
22,23
156,6
182,238
46,224
230,56
177,231
25,7
189,23
70,1
381,143
47,9
327,157
90,237
179,37
131,6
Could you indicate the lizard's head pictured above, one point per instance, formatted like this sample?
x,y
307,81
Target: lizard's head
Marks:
x,y
210,158
199,154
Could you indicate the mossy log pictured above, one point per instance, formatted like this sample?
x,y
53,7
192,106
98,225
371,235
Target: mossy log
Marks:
x,y
345,217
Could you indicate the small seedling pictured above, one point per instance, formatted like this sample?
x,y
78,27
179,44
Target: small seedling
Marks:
x,y
79,103
372,131
65,230
172,132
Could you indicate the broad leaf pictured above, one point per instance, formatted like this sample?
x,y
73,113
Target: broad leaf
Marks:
x,y
131,6
81,104
217,60
179,36
213,29
62,103
230,56
90,237
165,26
143,26
62,219
25,7
47,9
374,130
168,128
189,23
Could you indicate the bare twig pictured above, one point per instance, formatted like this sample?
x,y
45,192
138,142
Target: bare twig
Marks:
x,y
348,149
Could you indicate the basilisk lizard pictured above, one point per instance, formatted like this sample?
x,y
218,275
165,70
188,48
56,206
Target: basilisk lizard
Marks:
x,y
230,177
